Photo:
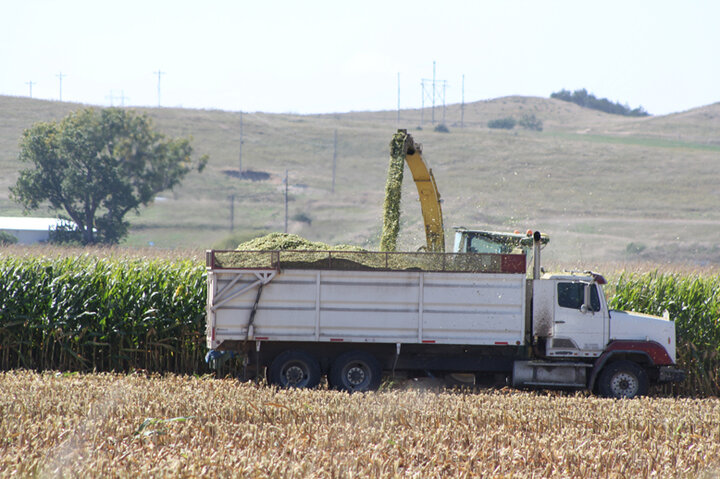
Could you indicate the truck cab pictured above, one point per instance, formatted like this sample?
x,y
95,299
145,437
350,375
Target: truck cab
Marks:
x,y
617,353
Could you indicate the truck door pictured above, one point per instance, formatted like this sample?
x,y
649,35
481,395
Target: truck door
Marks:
x,y
578,331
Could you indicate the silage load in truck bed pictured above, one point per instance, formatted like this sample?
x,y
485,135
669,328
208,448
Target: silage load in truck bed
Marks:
x,y
287,241
284,251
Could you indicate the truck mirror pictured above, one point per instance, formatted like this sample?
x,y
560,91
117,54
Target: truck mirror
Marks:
x,y
586,306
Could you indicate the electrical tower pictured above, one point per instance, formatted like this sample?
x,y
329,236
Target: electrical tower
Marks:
x,y
430,92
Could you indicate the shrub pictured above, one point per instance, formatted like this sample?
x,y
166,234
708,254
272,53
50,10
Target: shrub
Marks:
x,y
507,123
302,218
530,122
7,239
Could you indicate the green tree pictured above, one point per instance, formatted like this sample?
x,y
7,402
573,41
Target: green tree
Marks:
x,y
98,165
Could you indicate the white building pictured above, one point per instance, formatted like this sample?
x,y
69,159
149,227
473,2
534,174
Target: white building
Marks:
x,y
30,230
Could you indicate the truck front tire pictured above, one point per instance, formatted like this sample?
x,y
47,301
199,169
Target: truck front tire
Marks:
x,y
623,379
355,371
295,369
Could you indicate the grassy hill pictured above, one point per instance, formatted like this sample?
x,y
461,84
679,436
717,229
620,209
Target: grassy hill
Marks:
x,y
605,187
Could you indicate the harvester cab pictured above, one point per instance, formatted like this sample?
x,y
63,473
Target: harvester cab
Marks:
x,y
480,241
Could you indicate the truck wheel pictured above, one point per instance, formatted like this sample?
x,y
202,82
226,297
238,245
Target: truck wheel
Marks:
x,y
355,371
623,379
294,369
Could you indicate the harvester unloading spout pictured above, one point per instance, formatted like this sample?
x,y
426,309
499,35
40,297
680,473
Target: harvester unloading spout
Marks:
x,y
403,149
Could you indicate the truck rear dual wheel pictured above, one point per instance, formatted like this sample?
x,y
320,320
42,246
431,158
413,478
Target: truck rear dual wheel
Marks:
x,y
623,379
355,371
294,369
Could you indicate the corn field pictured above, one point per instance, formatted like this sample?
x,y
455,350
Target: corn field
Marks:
x,y
693,302
102,313
110,425
108,312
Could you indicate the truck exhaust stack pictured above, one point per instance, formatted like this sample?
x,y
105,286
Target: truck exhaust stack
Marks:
x,y
536,255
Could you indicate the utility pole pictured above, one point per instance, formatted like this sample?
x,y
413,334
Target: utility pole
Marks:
x,y
422,102
60,77
433,94
122,98
462,105
332,189
30,84
241,144
444,84
398,109
286,201
232,212
159,74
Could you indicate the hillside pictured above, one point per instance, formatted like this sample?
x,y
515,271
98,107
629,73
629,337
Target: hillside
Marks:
x,y
606,188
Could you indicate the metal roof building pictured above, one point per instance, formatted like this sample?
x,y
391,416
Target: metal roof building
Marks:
x,y
30,230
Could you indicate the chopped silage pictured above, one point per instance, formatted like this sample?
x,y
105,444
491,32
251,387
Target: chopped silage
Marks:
x,y
281,250
288,241
393,192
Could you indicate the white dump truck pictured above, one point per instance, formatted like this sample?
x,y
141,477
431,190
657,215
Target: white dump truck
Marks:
x,y
354,316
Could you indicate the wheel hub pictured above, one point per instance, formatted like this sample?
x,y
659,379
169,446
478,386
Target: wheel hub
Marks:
x,y
624,385
294,375
355,375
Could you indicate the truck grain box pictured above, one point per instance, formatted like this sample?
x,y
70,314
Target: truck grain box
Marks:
x,y
353,316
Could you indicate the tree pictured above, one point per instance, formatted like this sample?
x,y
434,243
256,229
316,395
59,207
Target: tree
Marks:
x,y
588,100
98,166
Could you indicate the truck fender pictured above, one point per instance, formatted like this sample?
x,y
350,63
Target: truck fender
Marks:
x,y
646,353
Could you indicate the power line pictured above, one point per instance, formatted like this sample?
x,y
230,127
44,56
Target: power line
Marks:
x,y
241,144
462,105
30,84
398,108
123,98
159,73
232,212
334,166
60,77
286,201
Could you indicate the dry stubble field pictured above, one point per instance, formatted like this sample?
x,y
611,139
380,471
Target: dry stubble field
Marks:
x,y
77,425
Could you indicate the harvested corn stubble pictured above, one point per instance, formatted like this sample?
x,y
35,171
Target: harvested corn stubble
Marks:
x,y
112,425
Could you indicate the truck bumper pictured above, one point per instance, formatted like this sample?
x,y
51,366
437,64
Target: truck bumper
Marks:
x,y
670,374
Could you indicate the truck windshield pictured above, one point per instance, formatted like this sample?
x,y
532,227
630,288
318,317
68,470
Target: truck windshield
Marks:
x,y
572,295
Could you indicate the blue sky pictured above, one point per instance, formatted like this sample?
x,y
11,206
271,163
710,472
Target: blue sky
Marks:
x,y
334,56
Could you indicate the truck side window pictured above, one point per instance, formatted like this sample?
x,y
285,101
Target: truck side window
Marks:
x,y
572,295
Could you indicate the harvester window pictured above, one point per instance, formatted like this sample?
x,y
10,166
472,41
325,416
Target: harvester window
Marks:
x,y
572,295
479,244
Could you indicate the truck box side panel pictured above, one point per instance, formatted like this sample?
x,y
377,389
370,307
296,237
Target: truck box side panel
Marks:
x,y
361,305
474,309
373,306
